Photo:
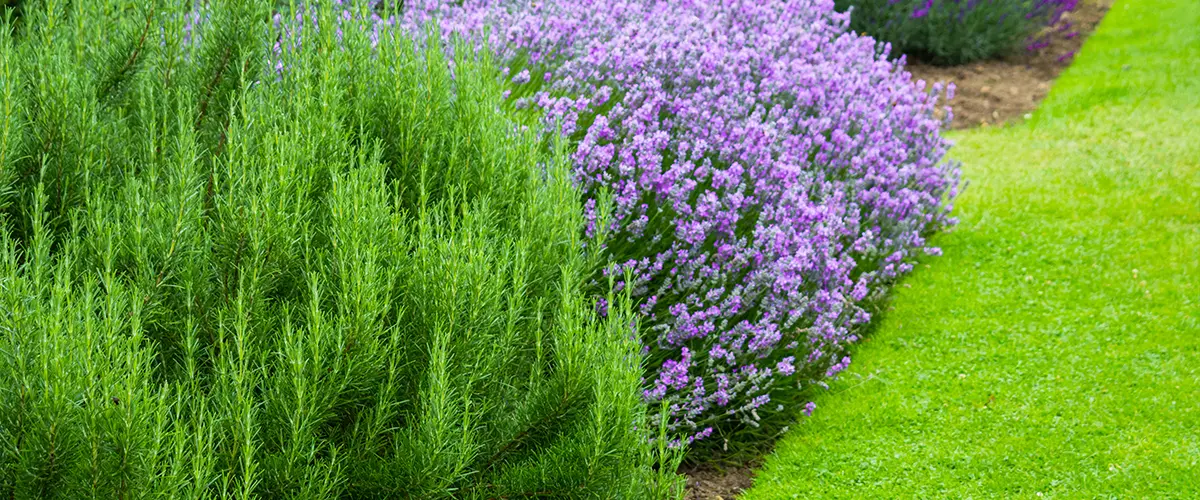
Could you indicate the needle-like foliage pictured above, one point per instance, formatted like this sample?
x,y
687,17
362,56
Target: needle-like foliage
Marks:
x,y
359,278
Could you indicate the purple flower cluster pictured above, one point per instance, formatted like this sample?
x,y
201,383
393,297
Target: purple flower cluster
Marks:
x,y
769,172
1051,12
921,10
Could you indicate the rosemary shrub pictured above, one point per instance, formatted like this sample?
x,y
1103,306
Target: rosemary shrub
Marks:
x,y
358,278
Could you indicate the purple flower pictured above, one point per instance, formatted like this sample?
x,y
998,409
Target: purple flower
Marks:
x,y
521,78
786,367
923,10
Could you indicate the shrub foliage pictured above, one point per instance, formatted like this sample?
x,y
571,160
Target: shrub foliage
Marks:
x,y
355,279
955,31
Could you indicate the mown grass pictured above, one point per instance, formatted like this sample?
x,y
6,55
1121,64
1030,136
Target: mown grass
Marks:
x,y
1054,351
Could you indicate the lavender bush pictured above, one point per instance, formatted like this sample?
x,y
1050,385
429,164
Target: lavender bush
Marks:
x,y
958,31
768,173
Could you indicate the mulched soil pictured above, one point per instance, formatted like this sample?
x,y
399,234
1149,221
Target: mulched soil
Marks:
x,y
988,93
994,92
712,483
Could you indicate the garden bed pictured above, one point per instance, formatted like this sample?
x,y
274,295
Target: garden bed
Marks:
x,y
643,241
1000,91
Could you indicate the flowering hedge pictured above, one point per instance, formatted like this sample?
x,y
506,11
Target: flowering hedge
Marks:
x,y
958,31
768,172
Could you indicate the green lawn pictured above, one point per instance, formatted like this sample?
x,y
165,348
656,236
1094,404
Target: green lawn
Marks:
x,y
1054,351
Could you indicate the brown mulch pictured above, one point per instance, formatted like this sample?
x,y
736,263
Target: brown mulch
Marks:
x,y
999,91
712,483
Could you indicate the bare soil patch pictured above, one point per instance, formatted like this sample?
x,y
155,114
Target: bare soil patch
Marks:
x,y
999,91
718,483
